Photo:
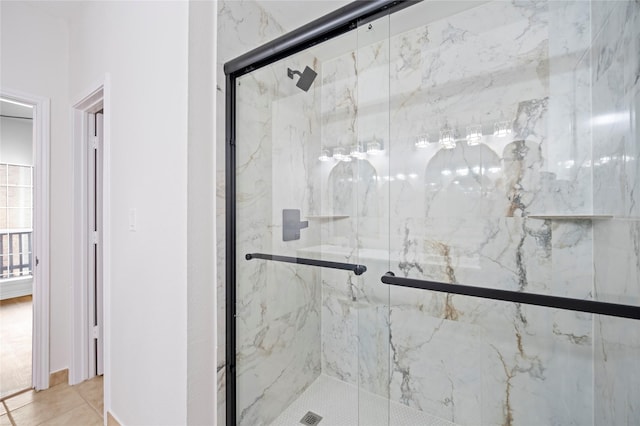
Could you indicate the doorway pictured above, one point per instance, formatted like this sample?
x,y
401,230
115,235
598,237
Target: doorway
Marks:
x,y
16,231
24,285
89,270
95,248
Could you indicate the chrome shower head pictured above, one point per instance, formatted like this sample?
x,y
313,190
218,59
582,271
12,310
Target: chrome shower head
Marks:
x,y
306,77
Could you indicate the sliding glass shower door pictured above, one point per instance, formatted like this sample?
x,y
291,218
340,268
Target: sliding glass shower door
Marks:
x,y
427,211
513,162
307,204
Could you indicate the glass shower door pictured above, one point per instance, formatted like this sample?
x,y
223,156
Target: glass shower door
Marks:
x,y
485,144
515,125
305,193
371,62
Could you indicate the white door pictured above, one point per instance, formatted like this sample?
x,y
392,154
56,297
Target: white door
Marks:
x,y
94,281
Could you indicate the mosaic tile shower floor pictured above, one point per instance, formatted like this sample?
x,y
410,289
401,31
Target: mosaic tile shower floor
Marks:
x,y
340,405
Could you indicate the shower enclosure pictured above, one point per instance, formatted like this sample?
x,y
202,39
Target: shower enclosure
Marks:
x,y
433,217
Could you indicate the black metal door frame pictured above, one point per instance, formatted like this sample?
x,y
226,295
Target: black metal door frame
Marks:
x,y
325,28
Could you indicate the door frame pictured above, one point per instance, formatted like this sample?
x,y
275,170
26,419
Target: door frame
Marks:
x,y
41,247
92,100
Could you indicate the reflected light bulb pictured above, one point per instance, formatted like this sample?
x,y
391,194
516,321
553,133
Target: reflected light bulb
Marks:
x,y
474,135
447,140
502,129
422,141
374,148
324,155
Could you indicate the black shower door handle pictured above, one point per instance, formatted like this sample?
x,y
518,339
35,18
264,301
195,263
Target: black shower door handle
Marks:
x,y
567,303
356,269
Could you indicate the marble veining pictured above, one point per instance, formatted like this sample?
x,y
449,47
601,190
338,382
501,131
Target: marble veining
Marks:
x,y
566,77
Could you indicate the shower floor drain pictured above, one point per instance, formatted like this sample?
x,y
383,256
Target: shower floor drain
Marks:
x,y
311,419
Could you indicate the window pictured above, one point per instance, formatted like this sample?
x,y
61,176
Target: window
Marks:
x,y
16,211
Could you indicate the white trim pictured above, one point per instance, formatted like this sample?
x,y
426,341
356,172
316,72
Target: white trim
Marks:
x,y
88,281
78,367
41,142
106,243
96,98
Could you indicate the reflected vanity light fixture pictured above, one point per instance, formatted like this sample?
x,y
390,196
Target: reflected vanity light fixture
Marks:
x,y
339,154
422,141
502,129
374,147
324,155
447,139
358,152
474,134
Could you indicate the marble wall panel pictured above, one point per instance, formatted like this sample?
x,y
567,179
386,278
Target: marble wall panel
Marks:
x,y
276,364
610,114
248,25
278,305
469,228
617,340
616,30
568,151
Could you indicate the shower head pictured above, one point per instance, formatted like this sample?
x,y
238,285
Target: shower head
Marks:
x,y
306,77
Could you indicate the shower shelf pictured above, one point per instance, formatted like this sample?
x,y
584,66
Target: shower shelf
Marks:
x,y
570,217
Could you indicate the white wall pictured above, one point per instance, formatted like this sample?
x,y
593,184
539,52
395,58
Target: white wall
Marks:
x,y
35,55
16,141
144,47
201,267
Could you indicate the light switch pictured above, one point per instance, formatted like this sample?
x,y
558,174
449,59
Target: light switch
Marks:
x,y
132,220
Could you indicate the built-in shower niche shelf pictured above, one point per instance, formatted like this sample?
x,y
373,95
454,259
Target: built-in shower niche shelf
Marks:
x,y
326,217
570,217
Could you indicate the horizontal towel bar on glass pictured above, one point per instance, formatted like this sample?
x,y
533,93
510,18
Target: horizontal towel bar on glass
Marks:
x,y
356,269
590,306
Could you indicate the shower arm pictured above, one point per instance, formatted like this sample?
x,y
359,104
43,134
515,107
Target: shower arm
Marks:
x,y
291,73
580,305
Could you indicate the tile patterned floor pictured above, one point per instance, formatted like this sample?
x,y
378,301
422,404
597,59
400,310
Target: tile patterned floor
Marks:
x,y
342,404
60,405
15,345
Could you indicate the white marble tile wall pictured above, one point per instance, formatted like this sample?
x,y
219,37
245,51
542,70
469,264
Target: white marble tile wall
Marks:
x,y
279,306
617,340
244,25
457,216
616,137
557,71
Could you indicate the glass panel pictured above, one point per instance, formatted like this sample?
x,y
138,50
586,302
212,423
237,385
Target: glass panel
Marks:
x,y
19,175
3,217
372,177
490,144
297,195
19,218
519,122
18,197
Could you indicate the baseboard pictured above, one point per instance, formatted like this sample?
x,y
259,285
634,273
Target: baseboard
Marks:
x,y
111,421
59,377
